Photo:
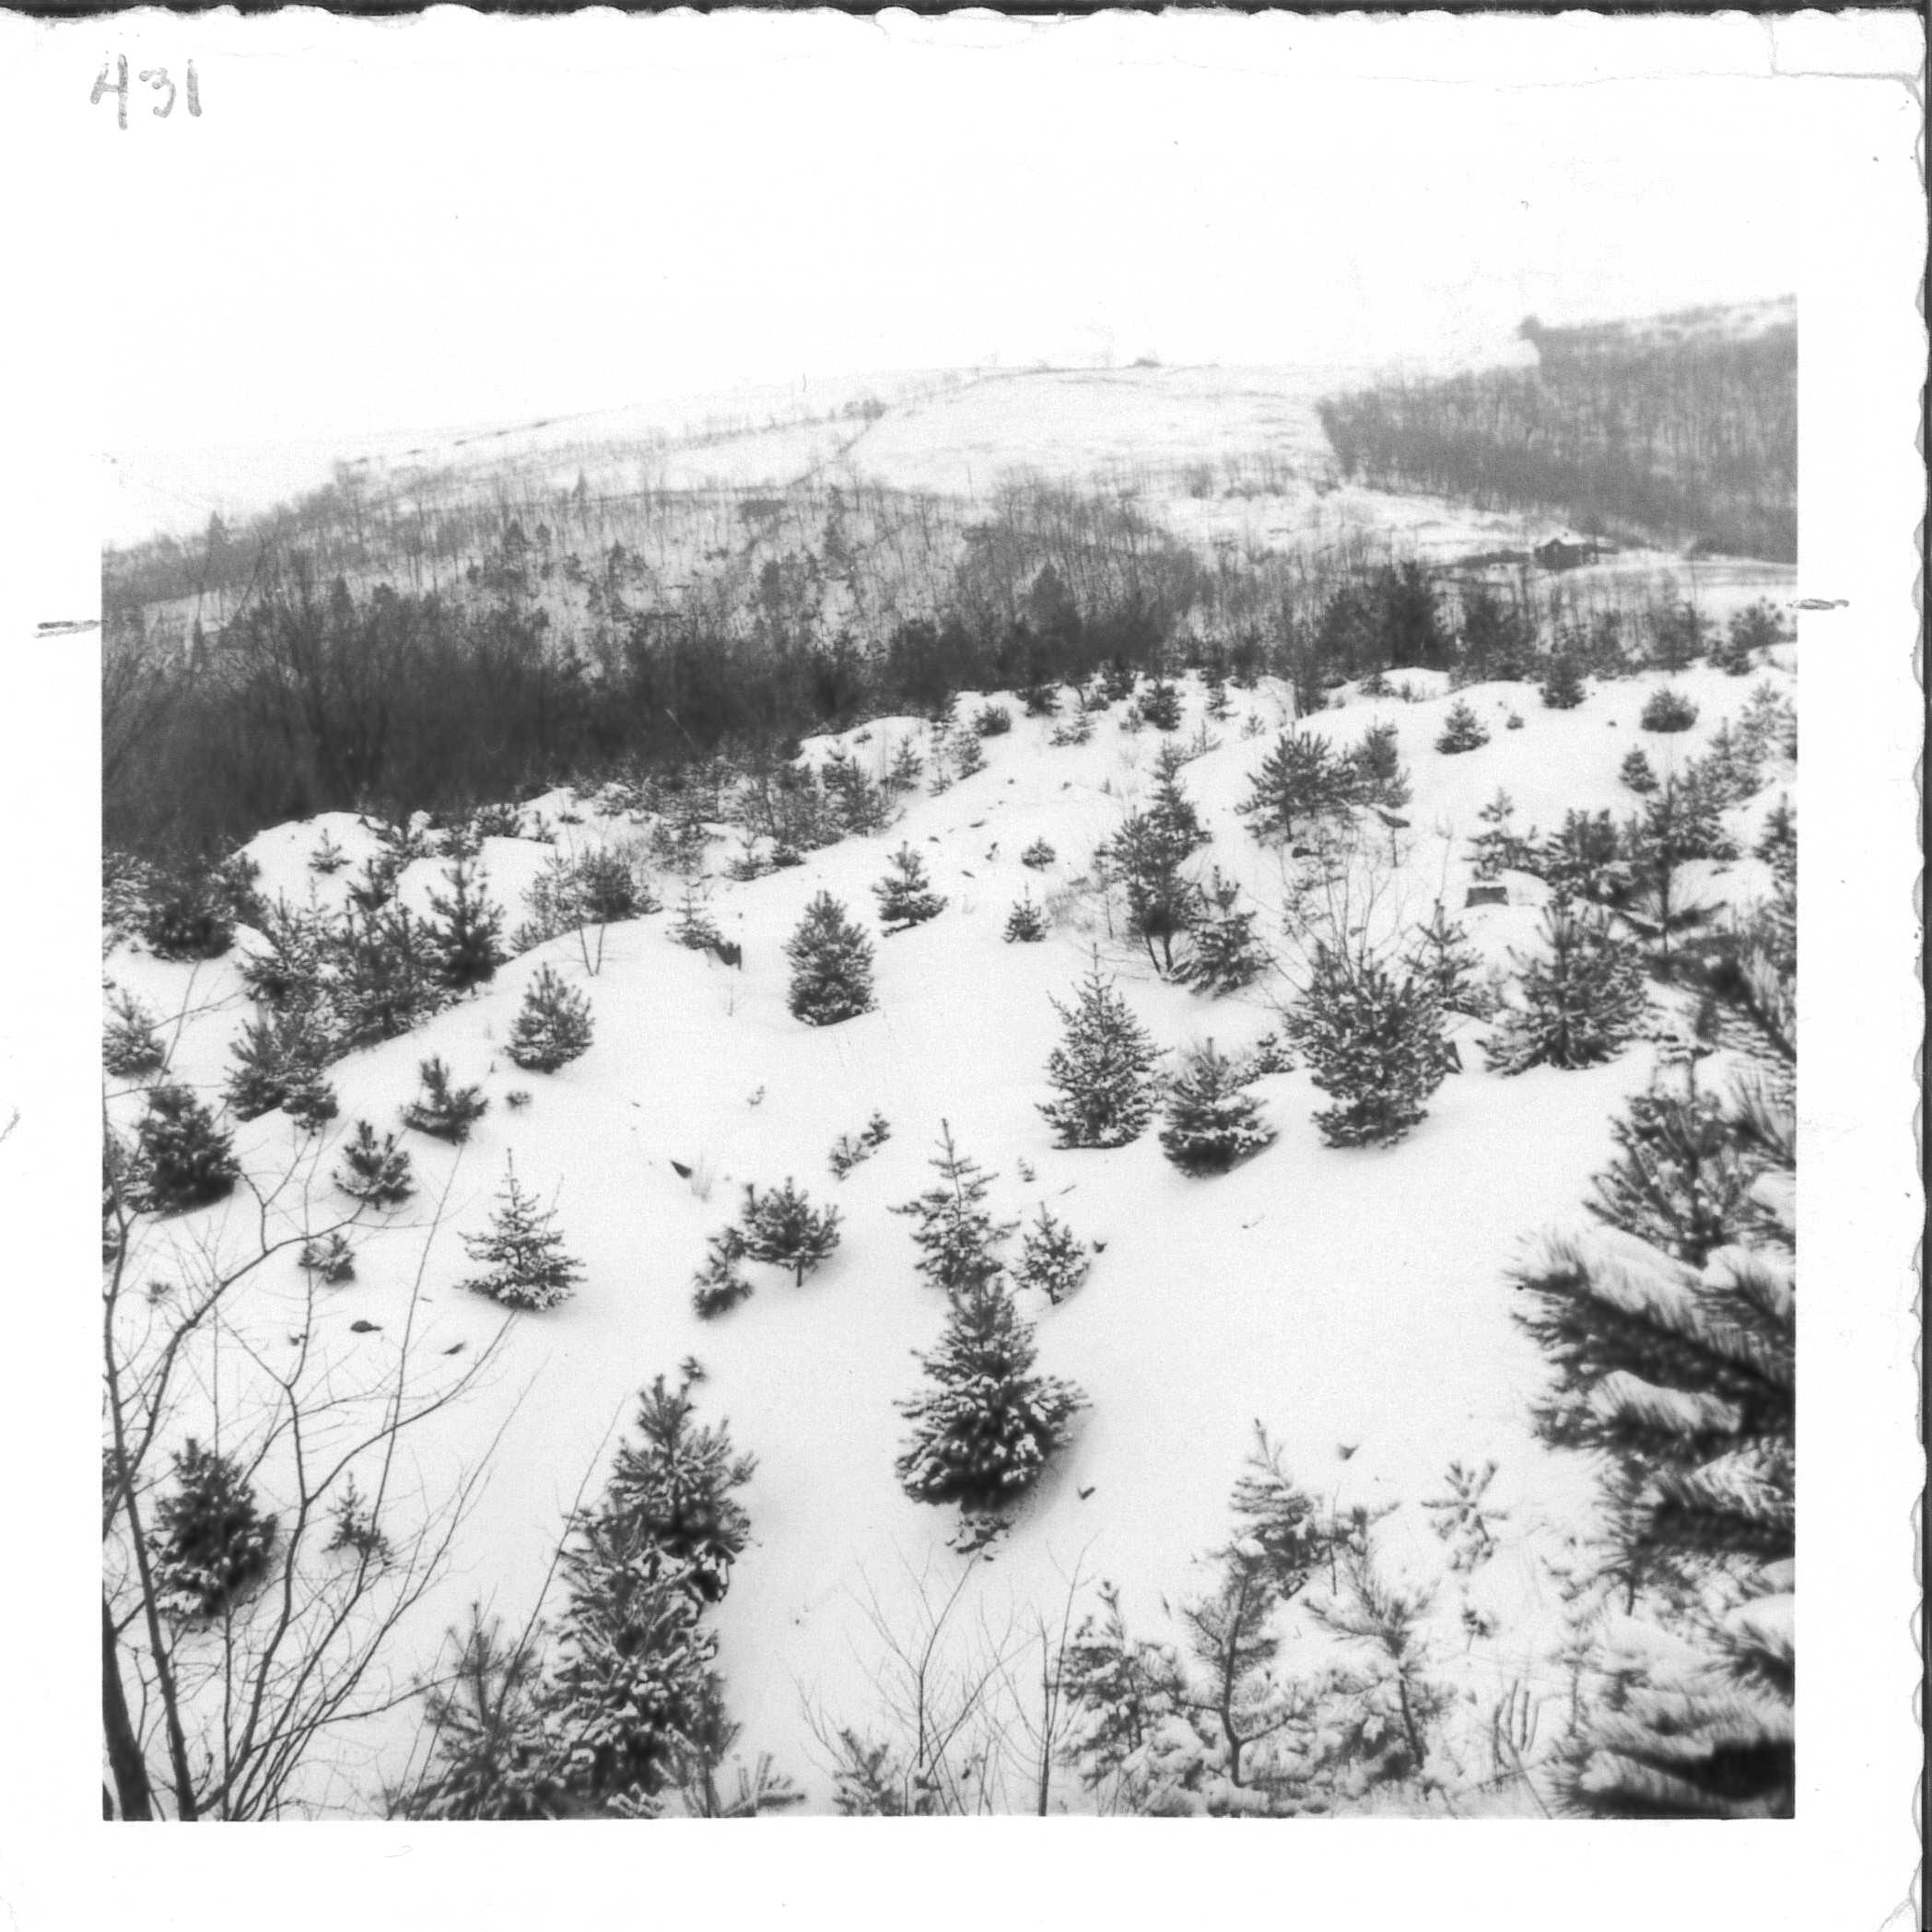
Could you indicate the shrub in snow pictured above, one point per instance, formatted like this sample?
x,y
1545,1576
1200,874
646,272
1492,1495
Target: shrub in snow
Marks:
x,y
984,1429
1680,635
129,1047
1226,955
1581,997
1211,1121
1052,1258
1374,1039
1562,683
355,1527
329,1258
552,1027
906,896
526,1266
185,1161
1462,730
327,857
1513,722
1668,710
188,916
466,935
782,1227
1075,730
375,1171
441,1109
850,1150
212,1544
1300,780
278,1062
992,722
1637,772
969,759
285,967
953,1230
1756,627
1025,925
831,965
1102,1071
718,1285
1039,855
1160,705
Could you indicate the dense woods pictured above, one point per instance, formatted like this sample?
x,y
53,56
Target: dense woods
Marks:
x,y
1682,432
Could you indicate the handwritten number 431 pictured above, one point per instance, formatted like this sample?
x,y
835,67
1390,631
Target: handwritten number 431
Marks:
x,y
157,78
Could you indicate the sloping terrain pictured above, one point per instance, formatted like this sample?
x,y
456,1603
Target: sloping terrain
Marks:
x,y
1353,1302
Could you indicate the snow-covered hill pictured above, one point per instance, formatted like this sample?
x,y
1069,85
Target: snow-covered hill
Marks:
x,y
1355,1303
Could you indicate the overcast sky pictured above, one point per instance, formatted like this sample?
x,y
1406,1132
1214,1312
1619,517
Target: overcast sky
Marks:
x,y
384,224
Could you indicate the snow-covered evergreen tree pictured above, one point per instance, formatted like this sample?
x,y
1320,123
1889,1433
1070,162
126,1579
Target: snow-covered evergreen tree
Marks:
x,y
278,1062
831,965
906,896
1102,1071
378,1172
633,1702
496,1757
1681,1179
1226,954
1462,730
1667,710
522,1252
985,1427
1025,926
674,1481
1159,705
694,926
1499,847
1374,1039
185,1160
720,1285
1677,1371
1582,997
1584,860
1300,779
384,974
782,1227
448,1112
1563,687
954,1231
1637,772
1147,856
1052,1258
1171,812
1374,774
130,1047
466,935
1212,1119
211,1543
552,1026
1441,958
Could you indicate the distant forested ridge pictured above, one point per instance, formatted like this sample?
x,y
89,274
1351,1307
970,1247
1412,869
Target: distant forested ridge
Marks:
x,y
1684,428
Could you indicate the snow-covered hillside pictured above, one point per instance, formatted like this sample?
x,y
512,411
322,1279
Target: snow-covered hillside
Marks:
x,y
1355,1303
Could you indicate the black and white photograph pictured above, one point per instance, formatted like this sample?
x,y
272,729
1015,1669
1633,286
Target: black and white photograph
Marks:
x,y
948,963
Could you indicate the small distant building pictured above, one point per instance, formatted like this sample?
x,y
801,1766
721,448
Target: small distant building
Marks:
x,y
1565,550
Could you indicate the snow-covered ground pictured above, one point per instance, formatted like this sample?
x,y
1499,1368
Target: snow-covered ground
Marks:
x,y
1354,1302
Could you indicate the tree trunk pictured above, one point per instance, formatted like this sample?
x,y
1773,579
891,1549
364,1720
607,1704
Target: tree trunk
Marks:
x,y
132,1789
